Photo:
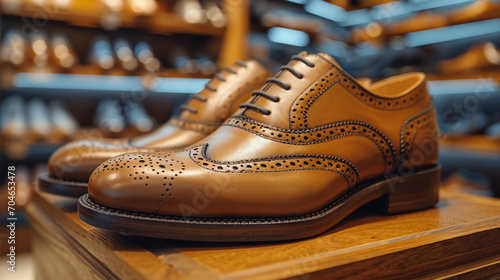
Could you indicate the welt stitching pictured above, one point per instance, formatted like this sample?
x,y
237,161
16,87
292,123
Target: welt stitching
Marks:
x,y
278,220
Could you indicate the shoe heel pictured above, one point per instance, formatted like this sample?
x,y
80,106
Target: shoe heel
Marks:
x,y
419,190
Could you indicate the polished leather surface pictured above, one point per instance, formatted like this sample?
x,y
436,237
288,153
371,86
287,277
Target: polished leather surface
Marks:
x,y
326,134
76,161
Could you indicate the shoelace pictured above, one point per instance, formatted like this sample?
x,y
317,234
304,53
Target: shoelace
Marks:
x,y
279,83
217,76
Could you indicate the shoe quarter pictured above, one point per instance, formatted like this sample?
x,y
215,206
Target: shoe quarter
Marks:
x,y
336,100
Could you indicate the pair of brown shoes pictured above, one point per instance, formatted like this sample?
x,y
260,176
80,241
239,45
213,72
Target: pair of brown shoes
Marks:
x,y
308,148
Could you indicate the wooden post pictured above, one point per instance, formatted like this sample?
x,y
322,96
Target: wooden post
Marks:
x,y
235,42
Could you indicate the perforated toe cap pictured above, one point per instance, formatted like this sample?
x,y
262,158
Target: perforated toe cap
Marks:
x,y
139,182
76,160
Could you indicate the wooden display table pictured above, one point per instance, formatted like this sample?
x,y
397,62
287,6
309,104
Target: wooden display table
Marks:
x,y
459,239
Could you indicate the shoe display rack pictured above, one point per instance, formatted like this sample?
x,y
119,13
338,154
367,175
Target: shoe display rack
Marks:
x,y
448,40
84,54
456,43
439,243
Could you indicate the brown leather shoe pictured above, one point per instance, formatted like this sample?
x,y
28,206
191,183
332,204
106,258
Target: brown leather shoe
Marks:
x,y
309,148
421,21
71,165
476,11
482,56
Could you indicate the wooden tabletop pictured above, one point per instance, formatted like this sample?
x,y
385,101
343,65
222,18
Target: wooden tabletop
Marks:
x,y
460,237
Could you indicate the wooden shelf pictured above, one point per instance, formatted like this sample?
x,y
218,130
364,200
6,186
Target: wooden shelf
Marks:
x,y
460,237
493,73
475,153
479,143
90,13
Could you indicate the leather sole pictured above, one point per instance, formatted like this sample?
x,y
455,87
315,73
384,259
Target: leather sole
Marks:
x,y
402,193
62,187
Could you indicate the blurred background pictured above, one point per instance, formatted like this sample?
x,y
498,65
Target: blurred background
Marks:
x,y
73,69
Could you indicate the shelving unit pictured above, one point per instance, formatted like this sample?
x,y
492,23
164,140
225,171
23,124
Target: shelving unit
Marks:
x,y
90,13
84,85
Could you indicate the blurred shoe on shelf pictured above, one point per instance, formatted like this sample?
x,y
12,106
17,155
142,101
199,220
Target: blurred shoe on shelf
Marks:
x,y
191,11
475,153
206,65
421,21
114,5
11,6
13,123
494,130
373,32
64,124
182,61
143,7
53,4
13,48
137,117
214,13
62,53
101,54
482,56
146,57
458,124
38,50
39,123
112,13
125,55
476,11
63,4
71,165
109,116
